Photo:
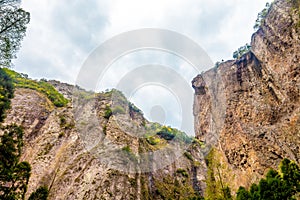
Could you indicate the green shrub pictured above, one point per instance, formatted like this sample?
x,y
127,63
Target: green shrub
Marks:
x,y
183,172
107,112
166,133
188,156
6,92
21,81
40,194
104,129
127,149
133,108
153,140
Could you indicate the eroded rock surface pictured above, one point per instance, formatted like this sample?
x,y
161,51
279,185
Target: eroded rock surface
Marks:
x,y
256,99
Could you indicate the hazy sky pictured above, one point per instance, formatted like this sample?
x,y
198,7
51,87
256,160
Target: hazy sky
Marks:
x,y
62,34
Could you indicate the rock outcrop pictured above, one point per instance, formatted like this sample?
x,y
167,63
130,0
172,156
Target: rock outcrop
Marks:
x,y
248,109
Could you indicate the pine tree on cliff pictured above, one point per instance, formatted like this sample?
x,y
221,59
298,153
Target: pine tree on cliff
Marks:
x,y
14,175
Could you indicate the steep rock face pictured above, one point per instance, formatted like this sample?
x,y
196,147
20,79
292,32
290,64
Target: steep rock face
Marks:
x,y
249,109
90,153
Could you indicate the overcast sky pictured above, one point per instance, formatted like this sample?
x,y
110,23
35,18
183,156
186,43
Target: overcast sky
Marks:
x,y
62,34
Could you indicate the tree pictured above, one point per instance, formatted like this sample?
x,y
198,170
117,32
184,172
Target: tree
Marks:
x,y
241,51
13,21
40,194
14,175
261,16
6,93
278,185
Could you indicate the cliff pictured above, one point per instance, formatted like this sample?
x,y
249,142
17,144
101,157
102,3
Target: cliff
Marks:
x,y
85,145
99,145
248,110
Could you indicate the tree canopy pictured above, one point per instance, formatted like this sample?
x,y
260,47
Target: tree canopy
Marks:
x,y
13,21
6,93
261,16
14,175
241,51
278,185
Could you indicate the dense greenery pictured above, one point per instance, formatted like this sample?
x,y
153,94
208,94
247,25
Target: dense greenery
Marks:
x,y
40,194
169,133
14,175
107,112
261,16
278,185
13,23
241,51
6,93
22,81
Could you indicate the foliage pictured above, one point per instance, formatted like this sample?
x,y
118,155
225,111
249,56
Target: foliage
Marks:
x,y
261,16
6,93
13,23
21,81
107,112
188,156
166,133
133,108
278,185
118,110
241,51
169,133
215,186
40,194
183,172
14,175
127,149
153,140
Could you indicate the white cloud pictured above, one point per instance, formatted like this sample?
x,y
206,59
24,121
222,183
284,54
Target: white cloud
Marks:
x,y
62,34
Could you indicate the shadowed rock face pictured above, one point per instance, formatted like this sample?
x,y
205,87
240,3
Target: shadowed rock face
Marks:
x,y
258,122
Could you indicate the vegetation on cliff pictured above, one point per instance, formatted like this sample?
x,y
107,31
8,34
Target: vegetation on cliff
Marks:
x,y
241,51
14,175
261,16
22,81
278,185
6,93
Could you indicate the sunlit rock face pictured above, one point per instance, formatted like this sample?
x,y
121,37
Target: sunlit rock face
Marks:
x,y
249,108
